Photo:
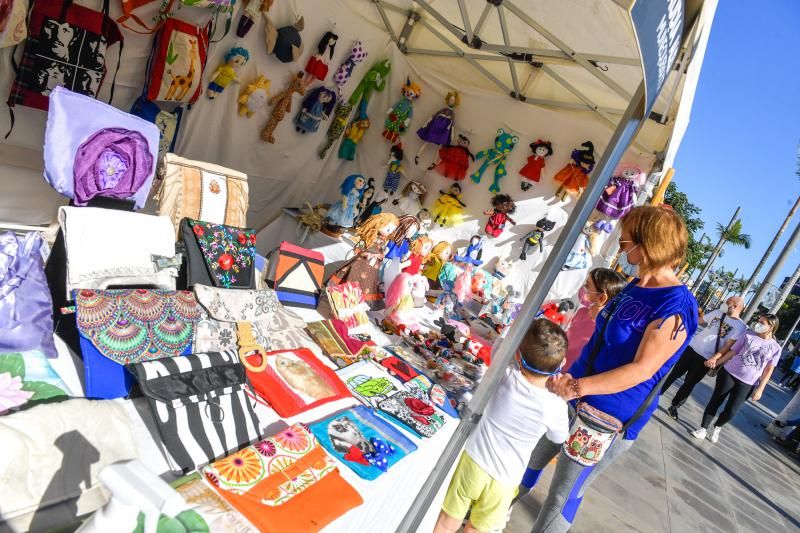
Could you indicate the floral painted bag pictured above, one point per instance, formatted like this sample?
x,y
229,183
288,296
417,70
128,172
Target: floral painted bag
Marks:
x,y
219,255
94,149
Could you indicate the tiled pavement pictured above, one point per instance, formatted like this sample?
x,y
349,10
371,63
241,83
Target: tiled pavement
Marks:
x,y
671,482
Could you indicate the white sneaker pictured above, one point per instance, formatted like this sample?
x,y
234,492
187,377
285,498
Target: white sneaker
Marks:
x,y
714,436
699,433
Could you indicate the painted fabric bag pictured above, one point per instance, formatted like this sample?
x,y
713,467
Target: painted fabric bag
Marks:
x,y
200,405
414,411
368,382
93,149
348,305
361,440
27,378
119,327
175,68
218,255
296,275
167,123
286,483
66,46
13,22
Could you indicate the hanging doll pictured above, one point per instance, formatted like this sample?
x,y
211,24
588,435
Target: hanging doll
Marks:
x,y
364,267
420,249
439,128
227,73
535,237
254,97
411,199
342,214
448,209
343,107
503,207
557,311
251,14
497,156
440,254
281,104
425,221
454,159
620,193
398,249
286,42
400,114
575,175
353,134
345,71
532,171
394,172
473,253
316,107
317,67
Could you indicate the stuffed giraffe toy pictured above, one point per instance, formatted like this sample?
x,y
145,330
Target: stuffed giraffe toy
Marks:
x,y
180,85
281,105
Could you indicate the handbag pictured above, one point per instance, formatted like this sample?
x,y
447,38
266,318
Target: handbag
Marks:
x,y
176,63
202,191
119,327
296,275
13,24
218,255
165,11
200,406
414,411
364,442
284,483
94,149
348,305
714,371
168,123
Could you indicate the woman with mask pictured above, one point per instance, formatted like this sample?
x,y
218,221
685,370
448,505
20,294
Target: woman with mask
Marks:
x,y
751,359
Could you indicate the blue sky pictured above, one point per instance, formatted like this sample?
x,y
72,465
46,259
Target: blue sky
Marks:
x,y
741,144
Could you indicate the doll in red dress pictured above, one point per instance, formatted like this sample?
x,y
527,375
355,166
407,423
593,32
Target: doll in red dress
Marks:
x,y
532,172
503,207
317,67
454,159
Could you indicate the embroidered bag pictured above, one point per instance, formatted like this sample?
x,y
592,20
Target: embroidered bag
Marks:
x,y
66,47
413,411
93,149
175,67
166,122
286,483
369,382
13,26
203,191
218,255
296,275
366,443
200,405
119,327
348,305
293,381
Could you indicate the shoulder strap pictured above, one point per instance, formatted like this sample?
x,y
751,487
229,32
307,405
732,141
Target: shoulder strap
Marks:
x,y
719,332
128,6
598,343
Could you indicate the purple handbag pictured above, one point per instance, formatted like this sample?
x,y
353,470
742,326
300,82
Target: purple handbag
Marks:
x,y
93,149
26,311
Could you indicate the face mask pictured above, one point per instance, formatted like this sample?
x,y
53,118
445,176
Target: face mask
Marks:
x,y
723,308
627,268
583,297
761,328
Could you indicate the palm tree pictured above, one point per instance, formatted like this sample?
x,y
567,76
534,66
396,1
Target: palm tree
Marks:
x,y
734,235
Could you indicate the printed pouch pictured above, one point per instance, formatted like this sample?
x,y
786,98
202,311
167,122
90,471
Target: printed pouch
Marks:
x,y
364,442
177,61
591,433
369,382
219,255
414,411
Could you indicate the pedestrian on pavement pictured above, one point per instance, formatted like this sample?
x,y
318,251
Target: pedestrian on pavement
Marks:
x,y
638,337
721,328
751,359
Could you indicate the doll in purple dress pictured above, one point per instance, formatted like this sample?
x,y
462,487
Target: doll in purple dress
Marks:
x,y
439,128
620,193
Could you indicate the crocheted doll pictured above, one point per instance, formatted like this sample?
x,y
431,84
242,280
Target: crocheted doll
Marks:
x,y
440,254
448,209
254,97
374,80
394,171
439,128
532,171
535,237
316,107
343,213
400,114
225,74
286,42
411,199
575,175
497,156
251,13
317,67
502,207
454,159
398,248
369,205
281,104
473,253
420,249
342,76
354,133
337,127
620,193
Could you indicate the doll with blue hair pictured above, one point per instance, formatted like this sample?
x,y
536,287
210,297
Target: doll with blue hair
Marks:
x,y
226,74
317,106
456,288
343,212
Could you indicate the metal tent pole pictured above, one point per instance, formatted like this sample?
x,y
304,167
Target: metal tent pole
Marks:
x,y
772,274
622,137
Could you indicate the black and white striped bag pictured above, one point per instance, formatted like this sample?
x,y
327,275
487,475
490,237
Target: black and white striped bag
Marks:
x,y
200,405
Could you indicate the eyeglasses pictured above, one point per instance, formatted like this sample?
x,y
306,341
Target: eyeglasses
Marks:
x,y
623,241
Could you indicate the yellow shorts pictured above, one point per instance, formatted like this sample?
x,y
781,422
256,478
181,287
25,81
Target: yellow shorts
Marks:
x,y
472,488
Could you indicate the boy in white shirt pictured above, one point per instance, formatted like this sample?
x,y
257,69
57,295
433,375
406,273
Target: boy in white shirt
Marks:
x,y
521,412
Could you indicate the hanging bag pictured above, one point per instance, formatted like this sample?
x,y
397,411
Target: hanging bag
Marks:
x,y
177,61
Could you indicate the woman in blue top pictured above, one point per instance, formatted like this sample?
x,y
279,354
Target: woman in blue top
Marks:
x,y
640,334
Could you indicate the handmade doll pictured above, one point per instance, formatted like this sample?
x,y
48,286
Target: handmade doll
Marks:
x,y
317,67
620,193
420,250
281,104
400,114
398,248
251,14
286,42
535,237
532,172
394,171
425,221
364,267
557,312
497,156
448,209
254,97
310,220
473,253
502,267
440,254
454,159
580,256
317,107
226,74
400,302
419,289
374,80
412,198
343,107
337,127
342,214
502,207
454,293
439,128
368,206
353,134
345,71
575,175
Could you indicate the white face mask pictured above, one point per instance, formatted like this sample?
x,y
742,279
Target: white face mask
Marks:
x,y
761,328
627,267
723,308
